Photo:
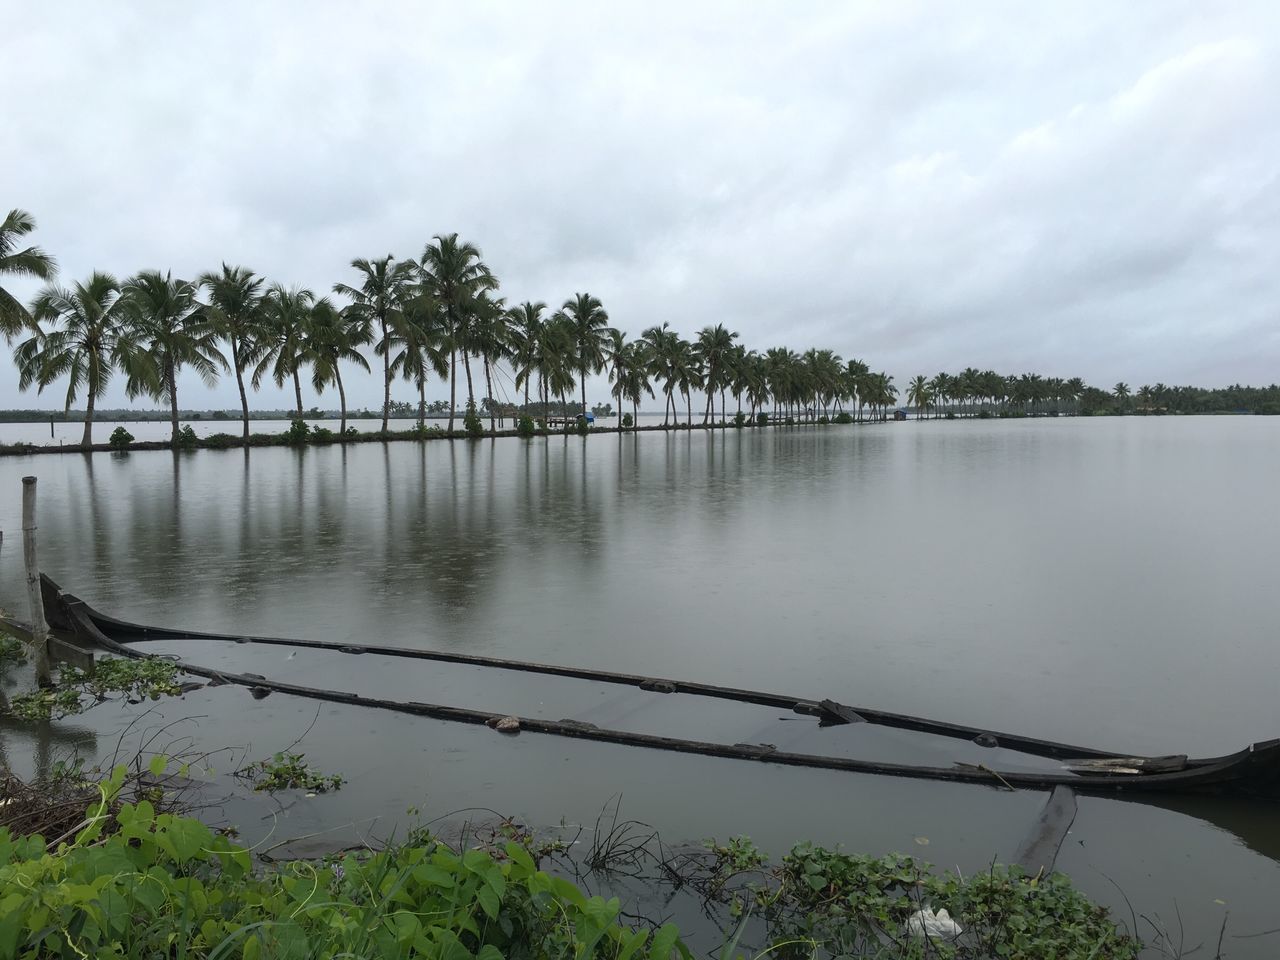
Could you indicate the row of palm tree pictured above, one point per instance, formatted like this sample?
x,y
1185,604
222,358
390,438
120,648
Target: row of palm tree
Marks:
x,y
975,392
421,317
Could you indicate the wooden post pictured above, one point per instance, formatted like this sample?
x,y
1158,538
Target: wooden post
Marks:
x,y
39,629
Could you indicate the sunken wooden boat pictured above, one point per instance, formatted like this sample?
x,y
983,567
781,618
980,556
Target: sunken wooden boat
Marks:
x,y
1254,770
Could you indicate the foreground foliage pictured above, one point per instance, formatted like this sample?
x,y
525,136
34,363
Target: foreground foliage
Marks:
x,y
142,884
75,691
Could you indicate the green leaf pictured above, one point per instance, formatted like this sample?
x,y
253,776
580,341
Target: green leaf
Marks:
x,y
157,765
663,942
488,901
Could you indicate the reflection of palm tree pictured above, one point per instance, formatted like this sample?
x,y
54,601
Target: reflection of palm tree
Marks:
x,y
379,301
235,310
27,262
91,341
336,336
172,333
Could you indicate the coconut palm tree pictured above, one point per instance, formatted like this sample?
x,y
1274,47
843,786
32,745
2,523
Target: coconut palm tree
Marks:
x,y
89,339
335,337
526,323
455,276
918,395
590,324
629,372
559,358
379,302
25,262
687,372
283,345
491,338
172,332
662,346
235,311
417,339
715,349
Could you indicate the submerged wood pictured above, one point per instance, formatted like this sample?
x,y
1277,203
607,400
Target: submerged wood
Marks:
x,y
1255,769
37,645
1039,851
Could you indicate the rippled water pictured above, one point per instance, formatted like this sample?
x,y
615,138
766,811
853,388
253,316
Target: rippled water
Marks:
x,y
1107,582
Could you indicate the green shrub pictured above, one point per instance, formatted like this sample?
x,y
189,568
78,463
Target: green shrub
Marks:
x,y
187,438
525,427
139,884
220,441
322,435
120,439
762,419
298,432
581,427
823,419
628,421
739,419
843,417
790,421
351,433
471,422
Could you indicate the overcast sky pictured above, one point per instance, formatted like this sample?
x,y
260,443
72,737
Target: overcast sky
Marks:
x,y
1074,188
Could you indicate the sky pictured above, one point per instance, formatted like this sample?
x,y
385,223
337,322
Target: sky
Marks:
x,y
1077,189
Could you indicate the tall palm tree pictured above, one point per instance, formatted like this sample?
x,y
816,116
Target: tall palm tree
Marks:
x,y
918,394
688,373
662,348
629,373
235,310
559,359
172,332
591,335
335,337
526,323
455,276
715,348
379,301
283,344
89,340
25,262
418,334
492,340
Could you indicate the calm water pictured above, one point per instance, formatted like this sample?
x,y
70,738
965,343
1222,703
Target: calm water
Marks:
x,y
1098,581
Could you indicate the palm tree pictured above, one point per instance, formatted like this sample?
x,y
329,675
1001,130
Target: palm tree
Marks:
x,y
630,375
590,325
491,338
379,301
687,372
715,348
284,339
172,332
235,310
918,394
419,333
559,358
526,323
92,340
662,344
455,276
335,336
27,262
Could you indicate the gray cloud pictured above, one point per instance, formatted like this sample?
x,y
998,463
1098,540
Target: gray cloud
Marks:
x,y
1090,189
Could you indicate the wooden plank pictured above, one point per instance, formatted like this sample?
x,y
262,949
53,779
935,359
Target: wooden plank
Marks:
x,y
39,630
1039,849
833,712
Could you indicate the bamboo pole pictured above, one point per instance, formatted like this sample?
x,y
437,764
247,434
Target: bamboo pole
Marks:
x,y
39,629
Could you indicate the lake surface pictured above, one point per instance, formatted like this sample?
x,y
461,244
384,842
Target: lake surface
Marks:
x,y
1108,582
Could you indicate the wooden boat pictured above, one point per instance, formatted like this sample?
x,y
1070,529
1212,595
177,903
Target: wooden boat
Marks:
x,y
1254,770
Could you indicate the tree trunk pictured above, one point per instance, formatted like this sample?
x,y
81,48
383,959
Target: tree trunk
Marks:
x,y
471,392
297,389
422,404
87,440
488,385
386,377
171,382
244,397
688,400
453,381
583,379
342,400
39,631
